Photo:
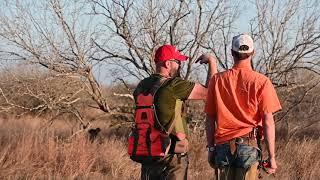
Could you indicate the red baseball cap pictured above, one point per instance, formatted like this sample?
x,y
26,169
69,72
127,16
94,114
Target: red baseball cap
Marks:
x,y
167,52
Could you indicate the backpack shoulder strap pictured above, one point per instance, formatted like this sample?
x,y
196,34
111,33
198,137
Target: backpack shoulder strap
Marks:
x,y
171,126
161,82
153,91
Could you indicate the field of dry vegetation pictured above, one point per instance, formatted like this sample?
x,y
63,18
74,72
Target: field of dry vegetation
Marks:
x,y
45,123
43,136
29,151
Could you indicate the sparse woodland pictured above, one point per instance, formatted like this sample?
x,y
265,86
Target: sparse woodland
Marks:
x,y
68,69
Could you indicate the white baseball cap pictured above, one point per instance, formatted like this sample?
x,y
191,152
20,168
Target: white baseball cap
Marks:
x,y
242,43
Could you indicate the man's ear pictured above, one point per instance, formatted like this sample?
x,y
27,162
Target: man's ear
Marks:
x,y
166,64
232,52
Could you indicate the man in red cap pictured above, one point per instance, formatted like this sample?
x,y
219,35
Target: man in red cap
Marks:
x,y
169,100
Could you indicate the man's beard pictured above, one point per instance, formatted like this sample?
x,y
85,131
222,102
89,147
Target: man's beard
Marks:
x,y
175,73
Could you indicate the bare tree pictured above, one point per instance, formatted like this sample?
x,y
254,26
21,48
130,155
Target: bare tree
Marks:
x,y
286,35
137,28
38,93
71,38
287,38
57,35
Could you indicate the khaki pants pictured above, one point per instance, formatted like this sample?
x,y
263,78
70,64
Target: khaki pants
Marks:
x,y
230,173
172,167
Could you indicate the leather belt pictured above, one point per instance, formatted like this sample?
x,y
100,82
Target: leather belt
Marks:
x,y
246,139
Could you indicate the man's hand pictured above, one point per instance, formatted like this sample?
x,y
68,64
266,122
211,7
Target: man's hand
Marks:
x,y
211,157
206,58
273,166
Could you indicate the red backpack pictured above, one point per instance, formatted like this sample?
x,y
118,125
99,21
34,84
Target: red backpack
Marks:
x,y
147,143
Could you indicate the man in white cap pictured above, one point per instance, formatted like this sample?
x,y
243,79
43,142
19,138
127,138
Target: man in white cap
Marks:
x,y
239,102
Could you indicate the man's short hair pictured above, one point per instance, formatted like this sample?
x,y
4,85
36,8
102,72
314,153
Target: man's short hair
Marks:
x,y
240,56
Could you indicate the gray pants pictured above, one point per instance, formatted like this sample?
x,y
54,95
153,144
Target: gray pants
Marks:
x,y
172,167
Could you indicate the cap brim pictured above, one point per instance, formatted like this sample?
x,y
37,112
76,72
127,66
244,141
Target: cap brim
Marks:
x,y
181,57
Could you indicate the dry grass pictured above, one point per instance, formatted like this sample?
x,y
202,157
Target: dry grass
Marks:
x,y
299,159
27,152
